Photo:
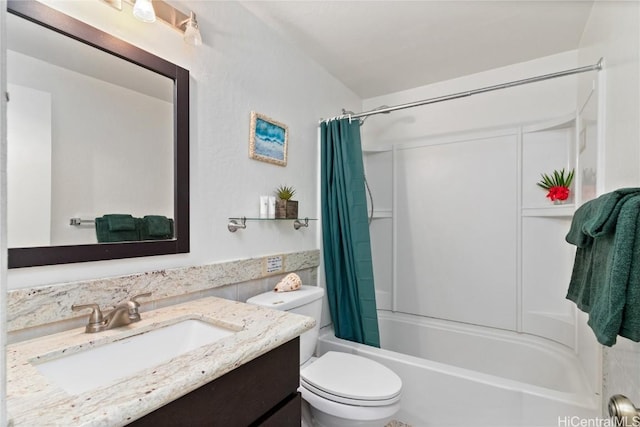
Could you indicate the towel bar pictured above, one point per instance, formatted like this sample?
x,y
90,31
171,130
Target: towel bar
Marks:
x,y
80,221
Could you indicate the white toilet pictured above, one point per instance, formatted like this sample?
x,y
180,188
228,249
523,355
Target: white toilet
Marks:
x,y
342,389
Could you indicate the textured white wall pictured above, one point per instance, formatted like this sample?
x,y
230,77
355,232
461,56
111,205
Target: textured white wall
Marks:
x,y
242,66
613,32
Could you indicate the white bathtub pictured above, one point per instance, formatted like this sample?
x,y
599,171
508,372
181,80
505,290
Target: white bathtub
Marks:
x,y
462,375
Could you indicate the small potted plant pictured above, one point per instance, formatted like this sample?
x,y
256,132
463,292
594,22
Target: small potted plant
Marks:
x,y
285,207
557,185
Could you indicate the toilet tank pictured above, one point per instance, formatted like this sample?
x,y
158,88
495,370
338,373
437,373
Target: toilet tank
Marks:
x,y
306,301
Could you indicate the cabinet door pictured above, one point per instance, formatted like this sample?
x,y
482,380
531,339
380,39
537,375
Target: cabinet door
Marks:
x,y
289,415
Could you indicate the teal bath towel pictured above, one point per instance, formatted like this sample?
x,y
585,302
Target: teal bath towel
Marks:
x,y
592,231
606,275
598,217
156,227
117,228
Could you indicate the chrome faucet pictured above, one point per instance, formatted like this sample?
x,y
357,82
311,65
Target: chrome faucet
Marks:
x,y
123,314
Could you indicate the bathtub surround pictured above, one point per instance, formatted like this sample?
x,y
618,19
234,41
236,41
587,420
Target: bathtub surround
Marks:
x,y
345,233
44,310
446,132
509,242
520,293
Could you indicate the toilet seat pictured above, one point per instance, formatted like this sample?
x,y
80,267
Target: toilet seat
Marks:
x,y
351,379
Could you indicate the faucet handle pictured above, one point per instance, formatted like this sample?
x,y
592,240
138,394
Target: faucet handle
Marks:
x,y
96,320
135,298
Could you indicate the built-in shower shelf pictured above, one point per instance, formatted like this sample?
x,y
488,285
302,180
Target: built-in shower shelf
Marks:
x,y
236,223
551,211
382,213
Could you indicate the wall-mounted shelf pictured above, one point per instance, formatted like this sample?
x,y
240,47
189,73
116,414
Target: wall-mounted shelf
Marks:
x,y
241,222
550,211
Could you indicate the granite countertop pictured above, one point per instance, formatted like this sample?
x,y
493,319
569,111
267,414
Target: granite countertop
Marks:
x,y
32,400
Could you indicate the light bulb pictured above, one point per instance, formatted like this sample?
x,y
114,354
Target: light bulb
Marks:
x,y
143,10
192,32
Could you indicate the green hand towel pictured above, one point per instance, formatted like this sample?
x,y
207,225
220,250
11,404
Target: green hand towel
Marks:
x,y
106,235
120,222
156,227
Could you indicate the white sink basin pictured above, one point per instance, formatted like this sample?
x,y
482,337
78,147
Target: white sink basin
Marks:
x,y
89,369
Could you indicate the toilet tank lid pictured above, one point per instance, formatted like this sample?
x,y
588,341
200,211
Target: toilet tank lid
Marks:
x,y
287,300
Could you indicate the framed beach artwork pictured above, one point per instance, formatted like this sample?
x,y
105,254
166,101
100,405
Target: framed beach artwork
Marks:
x,y
268,140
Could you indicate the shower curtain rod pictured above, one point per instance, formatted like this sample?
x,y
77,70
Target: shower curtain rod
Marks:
x,y
384,110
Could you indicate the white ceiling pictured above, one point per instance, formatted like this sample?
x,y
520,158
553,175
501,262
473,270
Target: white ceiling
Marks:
x,y
379,47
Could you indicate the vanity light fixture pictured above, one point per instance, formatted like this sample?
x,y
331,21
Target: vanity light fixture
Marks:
x,y
191,31
149,10
143,11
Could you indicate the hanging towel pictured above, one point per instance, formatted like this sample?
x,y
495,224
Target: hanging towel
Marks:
x,y
117,228
595,219
605,281
631,314
156,227
598,217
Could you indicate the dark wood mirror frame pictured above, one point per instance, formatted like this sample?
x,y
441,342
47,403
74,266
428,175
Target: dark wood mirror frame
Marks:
x,y
50,255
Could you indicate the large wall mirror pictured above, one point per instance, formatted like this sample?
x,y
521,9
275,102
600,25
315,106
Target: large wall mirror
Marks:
x,y
97,144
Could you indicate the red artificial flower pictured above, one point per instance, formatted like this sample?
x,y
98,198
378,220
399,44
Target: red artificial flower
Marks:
x,y
558,193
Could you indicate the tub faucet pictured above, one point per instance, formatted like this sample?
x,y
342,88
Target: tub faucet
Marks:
x,y
123,314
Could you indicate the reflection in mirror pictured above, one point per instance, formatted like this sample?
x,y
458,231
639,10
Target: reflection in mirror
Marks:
x,y
88,134
95,127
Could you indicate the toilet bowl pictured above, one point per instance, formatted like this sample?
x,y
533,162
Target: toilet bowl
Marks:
x,y
344,389
341,389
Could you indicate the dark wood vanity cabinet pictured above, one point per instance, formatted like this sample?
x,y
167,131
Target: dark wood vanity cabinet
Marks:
x,y
262,392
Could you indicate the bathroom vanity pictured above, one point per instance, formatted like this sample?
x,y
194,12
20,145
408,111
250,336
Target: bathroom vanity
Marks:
x,y
262,392
246,376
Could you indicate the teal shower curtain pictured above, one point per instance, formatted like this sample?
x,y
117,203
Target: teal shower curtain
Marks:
x,y
345,234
